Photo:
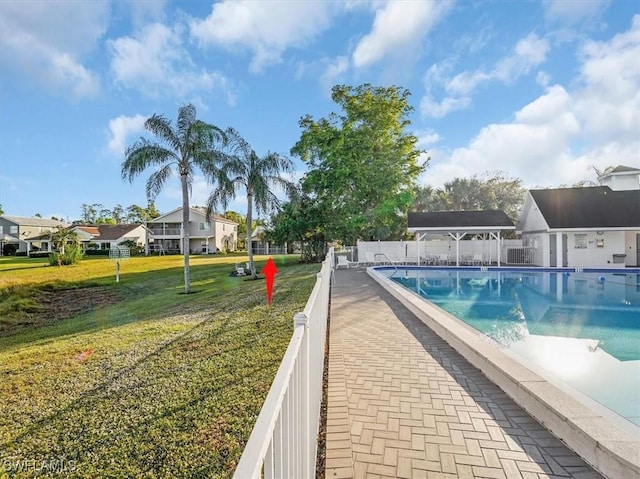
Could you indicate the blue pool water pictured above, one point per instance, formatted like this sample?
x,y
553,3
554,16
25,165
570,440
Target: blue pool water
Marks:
x,y
580,328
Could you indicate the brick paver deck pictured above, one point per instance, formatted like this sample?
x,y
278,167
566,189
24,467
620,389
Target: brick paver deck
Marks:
x,y
402,403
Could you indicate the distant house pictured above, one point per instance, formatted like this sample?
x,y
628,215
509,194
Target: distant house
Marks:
x,y
585,227
165,233
260,244
104,237
26,233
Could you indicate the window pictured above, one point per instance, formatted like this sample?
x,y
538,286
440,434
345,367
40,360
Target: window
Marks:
x,y
599,243
13,229
580,241
204,226
1,232
223,225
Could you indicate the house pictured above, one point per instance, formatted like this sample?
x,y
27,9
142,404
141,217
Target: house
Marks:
x,y
104,237
26,233
205,235
585,227
260,244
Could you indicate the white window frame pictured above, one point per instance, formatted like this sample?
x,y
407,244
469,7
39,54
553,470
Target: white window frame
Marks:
x,y
204,226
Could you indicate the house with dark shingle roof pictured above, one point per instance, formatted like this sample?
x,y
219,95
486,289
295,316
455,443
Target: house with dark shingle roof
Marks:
x,y
585,227
108,236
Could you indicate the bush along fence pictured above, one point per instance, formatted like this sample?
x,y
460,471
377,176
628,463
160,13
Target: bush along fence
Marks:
x,y
283,443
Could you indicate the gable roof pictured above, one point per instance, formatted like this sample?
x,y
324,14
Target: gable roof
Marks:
x,y
108,232
26,221
623,169
197,210
459,220
589,207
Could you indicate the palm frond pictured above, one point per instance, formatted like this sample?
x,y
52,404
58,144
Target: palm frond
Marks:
x,y
186,118
162,129
143,154
157,180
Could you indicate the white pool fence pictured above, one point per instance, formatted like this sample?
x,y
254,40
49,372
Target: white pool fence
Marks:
x,y
283,443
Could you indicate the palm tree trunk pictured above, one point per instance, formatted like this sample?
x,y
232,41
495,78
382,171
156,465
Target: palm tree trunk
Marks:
x,y
252,266
185,232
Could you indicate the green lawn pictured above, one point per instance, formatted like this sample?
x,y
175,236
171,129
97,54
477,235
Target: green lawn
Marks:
x,y
147,382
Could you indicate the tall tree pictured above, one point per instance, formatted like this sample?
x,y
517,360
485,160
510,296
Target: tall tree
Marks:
x,y
182,148
363,163
257,176
242,226
493,191
1,210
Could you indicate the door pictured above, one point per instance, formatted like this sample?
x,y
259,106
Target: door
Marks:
x,y
565,251
553,259
638,250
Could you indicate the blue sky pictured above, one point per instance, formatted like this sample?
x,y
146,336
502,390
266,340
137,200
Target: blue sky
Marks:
x,y
542,90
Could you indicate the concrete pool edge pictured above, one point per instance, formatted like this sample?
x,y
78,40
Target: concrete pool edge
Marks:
x,y
611,450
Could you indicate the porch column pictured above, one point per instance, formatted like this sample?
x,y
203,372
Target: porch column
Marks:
x,y
458,237
559,251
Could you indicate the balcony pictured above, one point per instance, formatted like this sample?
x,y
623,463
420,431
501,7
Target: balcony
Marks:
x,y
165,231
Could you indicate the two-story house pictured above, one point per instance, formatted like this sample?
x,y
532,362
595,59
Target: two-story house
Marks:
x,y
165,233
20,231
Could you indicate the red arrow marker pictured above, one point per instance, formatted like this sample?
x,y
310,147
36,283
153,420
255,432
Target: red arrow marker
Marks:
x,y
269,272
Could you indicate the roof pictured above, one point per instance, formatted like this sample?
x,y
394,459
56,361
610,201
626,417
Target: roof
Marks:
x,y
26,221
624,169
590,207
108,232
459,220
195,209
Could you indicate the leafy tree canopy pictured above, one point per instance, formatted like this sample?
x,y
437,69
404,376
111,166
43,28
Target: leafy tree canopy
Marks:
x,y
495,191
363,164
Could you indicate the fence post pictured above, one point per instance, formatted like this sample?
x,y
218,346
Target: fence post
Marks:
x,y
301,319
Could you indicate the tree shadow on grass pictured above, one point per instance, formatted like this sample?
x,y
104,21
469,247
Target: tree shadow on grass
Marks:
x,y
77,421
135,293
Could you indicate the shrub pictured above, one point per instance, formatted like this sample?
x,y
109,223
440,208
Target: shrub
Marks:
x,y
97,252
72,255
9,249
134,248
38,254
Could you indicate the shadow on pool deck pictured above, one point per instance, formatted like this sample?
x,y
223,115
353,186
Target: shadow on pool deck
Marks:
x,y
403,403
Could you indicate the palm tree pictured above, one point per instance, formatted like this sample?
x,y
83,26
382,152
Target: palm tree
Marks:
x,y
190,144
258,176
62,237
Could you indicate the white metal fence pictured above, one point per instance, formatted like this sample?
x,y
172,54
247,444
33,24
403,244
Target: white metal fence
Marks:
x,y
283,443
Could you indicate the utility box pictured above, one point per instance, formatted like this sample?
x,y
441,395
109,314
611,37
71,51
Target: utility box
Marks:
x,y
619,258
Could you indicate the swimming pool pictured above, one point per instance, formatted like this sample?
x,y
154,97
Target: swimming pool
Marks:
x,y
579,329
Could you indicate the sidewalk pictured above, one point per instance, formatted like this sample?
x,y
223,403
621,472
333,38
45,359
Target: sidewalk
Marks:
x,y
402,403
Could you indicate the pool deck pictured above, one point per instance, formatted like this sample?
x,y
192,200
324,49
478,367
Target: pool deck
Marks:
x,y
403,403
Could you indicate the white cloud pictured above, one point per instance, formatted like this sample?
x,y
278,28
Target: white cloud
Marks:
x,y
46,41
397,25
155,62
573,12
334,71
427,137
528,53
609,100
121,129
267,29
558,138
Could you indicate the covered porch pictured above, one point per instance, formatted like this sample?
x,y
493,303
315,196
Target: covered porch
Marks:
x,y
487,225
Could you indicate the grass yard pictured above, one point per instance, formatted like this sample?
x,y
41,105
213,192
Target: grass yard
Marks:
x,y
136,379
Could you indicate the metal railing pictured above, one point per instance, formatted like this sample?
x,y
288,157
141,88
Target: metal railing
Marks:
x,y
165,231
283,443
518,255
